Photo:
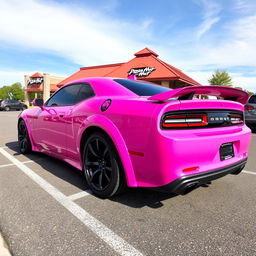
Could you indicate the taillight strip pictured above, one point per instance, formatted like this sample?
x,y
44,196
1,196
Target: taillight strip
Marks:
x,y
185,120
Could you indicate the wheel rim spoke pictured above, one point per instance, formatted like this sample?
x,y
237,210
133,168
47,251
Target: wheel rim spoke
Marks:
x,y
93,151
105,152
100,179
94,173
97,145
92,163
106,176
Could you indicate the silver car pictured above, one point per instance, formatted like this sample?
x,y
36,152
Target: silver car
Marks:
x,y
250,112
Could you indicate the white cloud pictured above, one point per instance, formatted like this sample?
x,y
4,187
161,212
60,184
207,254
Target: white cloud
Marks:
x,y
82,35
89,37
8,77
233,46
247,82
245,6
239,80
210,10
206,25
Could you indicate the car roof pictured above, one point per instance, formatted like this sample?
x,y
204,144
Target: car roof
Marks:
x,y
105,86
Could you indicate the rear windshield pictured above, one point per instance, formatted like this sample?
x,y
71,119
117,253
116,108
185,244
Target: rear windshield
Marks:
x,y
253,99
142,88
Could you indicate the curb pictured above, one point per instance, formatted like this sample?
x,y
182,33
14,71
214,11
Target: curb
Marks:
x,y
4,251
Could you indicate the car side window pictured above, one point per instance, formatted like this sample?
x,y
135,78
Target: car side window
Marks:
x,y
252,99
85,92
65,97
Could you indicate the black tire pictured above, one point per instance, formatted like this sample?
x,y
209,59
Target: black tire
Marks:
x,y
23,137
7,108
102,167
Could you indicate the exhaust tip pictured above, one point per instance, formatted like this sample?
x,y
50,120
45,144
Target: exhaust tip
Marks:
x,y
189,187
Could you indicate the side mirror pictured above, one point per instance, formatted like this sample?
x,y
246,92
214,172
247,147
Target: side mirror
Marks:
x,y
38,103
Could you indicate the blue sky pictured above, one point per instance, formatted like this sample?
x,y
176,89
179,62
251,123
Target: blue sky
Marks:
x,y
59,36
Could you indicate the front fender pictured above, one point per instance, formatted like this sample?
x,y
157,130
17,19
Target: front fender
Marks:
x,y
110,128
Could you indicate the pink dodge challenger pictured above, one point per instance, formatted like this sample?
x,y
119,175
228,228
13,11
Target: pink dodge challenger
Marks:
x,y
123,132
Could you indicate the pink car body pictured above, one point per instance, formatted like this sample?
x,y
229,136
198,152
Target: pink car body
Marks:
x,y
176,159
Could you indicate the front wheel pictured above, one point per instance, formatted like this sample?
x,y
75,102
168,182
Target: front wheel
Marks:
x,y
23,137
102,167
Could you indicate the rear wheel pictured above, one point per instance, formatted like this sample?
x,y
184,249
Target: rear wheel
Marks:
x,y
24,140
102,167
7,108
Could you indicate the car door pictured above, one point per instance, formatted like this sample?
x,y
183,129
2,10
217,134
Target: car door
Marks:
x,y
15,104
10,104
79,113
50,124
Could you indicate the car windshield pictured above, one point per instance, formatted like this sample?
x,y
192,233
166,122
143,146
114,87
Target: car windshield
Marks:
x,y
142,88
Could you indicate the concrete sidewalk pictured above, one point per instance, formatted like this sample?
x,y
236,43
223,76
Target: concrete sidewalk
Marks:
x,y
3,247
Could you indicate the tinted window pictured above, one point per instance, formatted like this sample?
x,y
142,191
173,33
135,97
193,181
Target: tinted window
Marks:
x,y
141,88
64,97
14,102
85,92
253,99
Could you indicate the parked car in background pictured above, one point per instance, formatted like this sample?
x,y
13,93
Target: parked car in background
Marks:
x,y
8,105
250,112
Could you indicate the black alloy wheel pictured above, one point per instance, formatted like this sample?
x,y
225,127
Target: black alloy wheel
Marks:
x,y
102,167
23,137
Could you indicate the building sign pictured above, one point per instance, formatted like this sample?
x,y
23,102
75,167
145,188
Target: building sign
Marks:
x,y
141,72
35,82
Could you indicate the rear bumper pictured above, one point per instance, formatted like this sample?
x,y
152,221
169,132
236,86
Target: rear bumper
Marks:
x,y
186,184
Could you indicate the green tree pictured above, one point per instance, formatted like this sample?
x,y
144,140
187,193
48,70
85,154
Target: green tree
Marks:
x,y
15,89
220,77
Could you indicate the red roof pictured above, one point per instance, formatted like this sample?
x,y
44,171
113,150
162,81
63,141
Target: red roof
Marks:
x,y
37,74
143,58
145,52
54,87
93,71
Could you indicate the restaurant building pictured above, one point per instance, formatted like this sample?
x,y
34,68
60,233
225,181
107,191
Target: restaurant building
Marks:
x,y
145,65
40,86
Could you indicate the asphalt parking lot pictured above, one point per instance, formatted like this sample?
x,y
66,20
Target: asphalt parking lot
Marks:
x,y
45,210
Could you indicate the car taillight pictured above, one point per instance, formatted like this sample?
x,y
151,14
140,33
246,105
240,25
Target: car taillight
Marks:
x,y
186,120
236,119
248,107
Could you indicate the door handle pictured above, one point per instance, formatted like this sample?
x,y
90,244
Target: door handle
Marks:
x,y
61,115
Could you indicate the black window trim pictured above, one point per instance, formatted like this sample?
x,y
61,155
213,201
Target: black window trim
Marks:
x,y
85,83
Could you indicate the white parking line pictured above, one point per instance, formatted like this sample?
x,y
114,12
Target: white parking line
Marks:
x,y
248,172
6,165
25,162
79,195
107,235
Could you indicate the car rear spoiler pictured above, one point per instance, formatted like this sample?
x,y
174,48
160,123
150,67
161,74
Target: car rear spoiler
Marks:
x,y
187,93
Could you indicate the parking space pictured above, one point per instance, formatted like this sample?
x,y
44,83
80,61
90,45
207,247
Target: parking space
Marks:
x,y
46,209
